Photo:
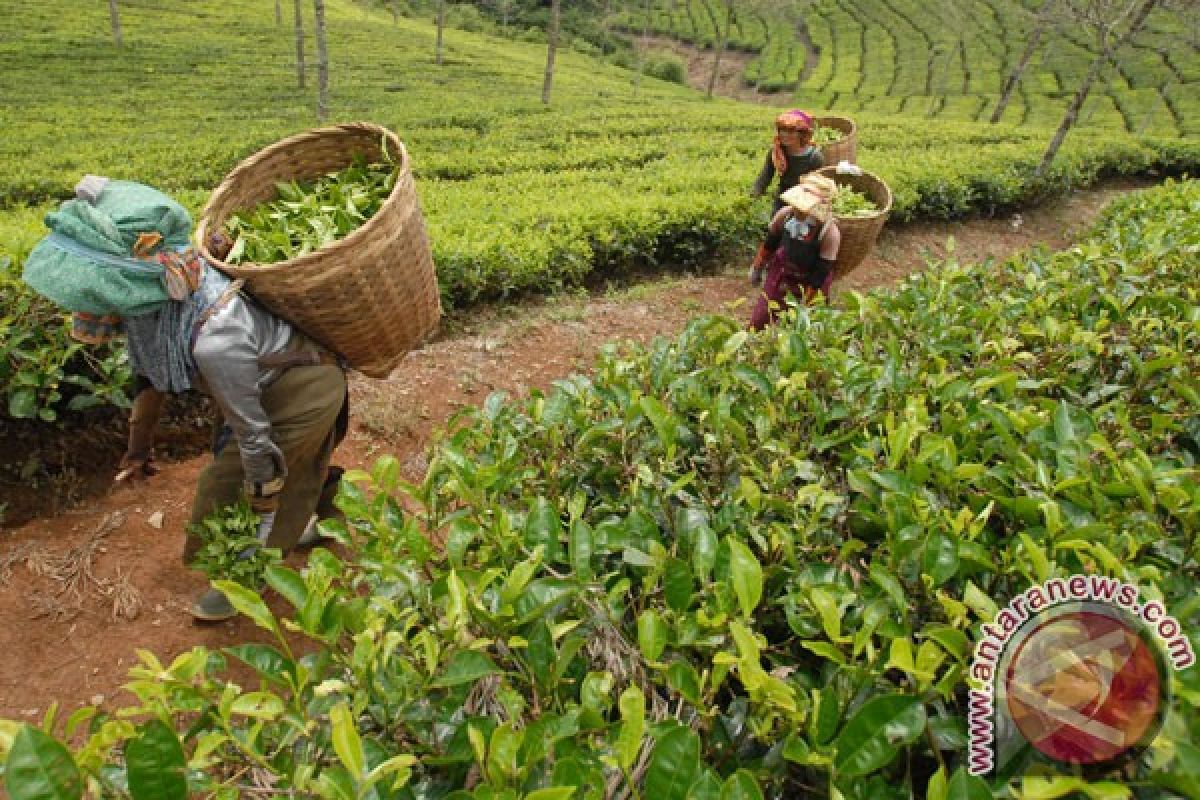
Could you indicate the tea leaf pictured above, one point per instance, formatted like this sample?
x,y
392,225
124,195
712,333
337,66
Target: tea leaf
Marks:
x,y
346,741
673,765
747,575
466,666
156,764
40,768
873,737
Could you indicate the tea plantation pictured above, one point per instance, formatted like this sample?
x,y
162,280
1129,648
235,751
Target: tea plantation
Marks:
x,y
519,197
726,565
946,59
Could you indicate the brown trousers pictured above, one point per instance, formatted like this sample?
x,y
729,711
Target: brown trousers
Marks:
x,y
307,409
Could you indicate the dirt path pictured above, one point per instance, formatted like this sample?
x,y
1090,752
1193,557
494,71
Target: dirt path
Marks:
x,y
121,551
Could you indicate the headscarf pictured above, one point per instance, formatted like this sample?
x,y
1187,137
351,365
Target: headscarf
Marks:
x,y
118,257
792,120
160,343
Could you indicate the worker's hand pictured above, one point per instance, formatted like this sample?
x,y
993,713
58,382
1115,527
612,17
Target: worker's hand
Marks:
x,y
264,497
134,470
756,276
138,462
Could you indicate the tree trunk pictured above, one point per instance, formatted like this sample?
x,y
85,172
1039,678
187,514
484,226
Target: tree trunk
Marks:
x,y
441,24
722,40
278,13
551,49
299,44
641,48
322,60
712,19
1014,77
114,16
1107,52
395,12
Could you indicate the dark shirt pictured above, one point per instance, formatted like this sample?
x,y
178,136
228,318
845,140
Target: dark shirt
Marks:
x,y
797,167
801,241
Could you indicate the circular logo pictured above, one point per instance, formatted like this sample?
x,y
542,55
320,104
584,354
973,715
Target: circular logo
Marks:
x,y
1085,687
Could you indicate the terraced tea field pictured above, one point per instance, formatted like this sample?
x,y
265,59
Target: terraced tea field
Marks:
x,y
949,59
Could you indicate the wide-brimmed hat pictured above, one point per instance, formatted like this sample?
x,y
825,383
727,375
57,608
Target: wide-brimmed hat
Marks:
x,y
813,195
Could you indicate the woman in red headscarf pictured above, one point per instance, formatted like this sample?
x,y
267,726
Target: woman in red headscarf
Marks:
x,y
792,155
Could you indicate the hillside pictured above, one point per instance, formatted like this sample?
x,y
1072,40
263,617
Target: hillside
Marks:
x,y
948,59
611,175
708,564
758,562
615,175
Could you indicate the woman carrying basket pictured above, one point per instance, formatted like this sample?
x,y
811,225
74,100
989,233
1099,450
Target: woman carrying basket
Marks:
x,y
799,251
792,155
119,258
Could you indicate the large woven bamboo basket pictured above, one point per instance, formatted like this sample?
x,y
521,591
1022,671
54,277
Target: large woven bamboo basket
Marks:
x,y
371,296
859,233
844,149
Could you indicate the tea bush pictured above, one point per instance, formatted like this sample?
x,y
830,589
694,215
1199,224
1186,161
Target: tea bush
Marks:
x,y
518,197
727,565
667,67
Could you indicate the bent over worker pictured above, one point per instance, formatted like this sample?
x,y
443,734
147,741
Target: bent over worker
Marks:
x,y
119,257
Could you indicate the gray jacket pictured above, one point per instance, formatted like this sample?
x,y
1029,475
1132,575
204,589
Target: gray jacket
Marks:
x,y
226,351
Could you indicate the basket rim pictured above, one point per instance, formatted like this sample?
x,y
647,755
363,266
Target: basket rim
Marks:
x,y
831,172
853,125
321,253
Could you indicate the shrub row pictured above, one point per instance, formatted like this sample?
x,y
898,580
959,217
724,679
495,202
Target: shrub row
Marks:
x,y
724,566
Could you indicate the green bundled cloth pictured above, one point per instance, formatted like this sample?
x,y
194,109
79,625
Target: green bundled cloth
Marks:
x,y
87,263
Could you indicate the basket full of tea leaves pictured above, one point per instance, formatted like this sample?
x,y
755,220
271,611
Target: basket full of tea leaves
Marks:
x,y
823,135
837,138
327,233
305,216
849,202
860,208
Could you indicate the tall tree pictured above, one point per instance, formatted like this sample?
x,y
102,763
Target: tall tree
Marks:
x,y
278,12
1035,37
322,60
1113,26
299,43
441,26
722,41
114,17
551,49
642,47
505,8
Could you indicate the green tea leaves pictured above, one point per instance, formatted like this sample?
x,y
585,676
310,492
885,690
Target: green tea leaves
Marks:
x,y
875,734
41,768
308,216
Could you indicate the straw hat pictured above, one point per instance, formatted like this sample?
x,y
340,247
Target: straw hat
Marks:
x,y
813,195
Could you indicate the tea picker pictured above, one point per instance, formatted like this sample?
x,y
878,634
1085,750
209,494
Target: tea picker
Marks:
x,y
792,155
119,258
799,251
